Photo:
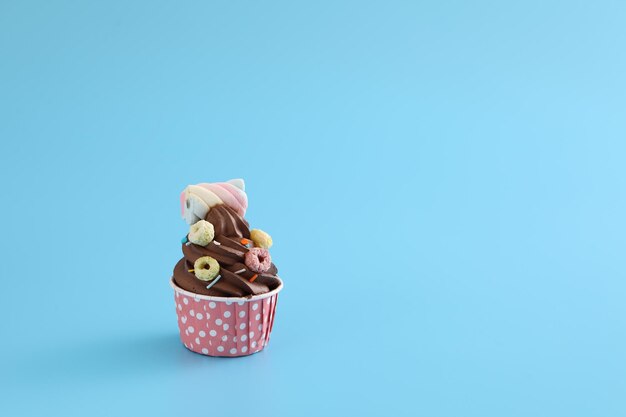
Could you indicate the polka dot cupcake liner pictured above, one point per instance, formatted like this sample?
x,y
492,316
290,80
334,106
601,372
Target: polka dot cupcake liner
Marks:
x,y
221,326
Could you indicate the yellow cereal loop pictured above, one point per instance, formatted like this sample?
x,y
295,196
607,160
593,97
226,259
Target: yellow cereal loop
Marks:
x,y
261,239
206,268
201,233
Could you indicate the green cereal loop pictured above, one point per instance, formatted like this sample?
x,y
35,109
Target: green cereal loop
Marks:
x,y
206,268
201,233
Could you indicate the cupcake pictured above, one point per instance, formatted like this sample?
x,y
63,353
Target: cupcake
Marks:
x,y
226,285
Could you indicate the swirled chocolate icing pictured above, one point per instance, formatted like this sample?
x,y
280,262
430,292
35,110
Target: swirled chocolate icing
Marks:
x,y
229,251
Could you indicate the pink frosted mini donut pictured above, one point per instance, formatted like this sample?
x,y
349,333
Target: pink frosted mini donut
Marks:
x,y
258,260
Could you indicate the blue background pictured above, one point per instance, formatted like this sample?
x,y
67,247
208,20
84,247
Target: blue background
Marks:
x,y
444,183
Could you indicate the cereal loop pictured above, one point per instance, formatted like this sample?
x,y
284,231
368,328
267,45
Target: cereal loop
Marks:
x,y
258,260
260,238
206,268
201,233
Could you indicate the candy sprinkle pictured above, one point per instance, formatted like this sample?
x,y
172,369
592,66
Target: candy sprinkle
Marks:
x,y
254,277
184,240
190,270
217,243
244,241
240,271
217,278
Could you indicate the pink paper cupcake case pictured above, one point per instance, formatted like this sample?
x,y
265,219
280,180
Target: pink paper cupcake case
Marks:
x,y
220,326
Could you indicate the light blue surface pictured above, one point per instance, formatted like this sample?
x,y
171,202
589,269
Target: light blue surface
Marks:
x,y
444,183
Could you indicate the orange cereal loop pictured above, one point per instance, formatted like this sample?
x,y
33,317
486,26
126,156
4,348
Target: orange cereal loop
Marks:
x,y
244,241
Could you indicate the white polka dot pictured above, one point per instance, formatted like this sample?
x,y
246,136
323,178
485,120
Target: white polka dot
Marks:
x,y
218,322
242,326
177,295
211,304
244,338
205,351
255,306
202,333
208,316
185,300
257,317
251,335
226,326
242,313
244,349
233,351
196,298
191,345
260,327
199,316
190,329
240,303
253,344
228,302
193,313
235,339
224,338
227,314
183,319
180,308
213,333
220,348
197,340
186,332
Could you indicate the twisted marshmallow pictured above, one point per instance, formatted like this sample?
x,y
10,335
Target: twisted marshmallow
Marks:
x,y
197,200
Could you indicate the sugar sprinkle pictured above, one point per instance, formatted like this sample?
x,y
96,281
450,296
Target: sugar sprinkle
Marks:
x,y
217,278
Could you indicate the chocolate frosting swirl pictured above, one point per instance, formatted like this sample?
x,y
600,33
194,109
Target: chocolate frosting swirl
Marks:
x,y
229,252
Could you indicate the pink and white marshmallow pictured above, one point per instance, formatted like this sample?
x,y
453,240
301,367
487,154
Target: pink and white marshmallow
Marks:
x,y
197,200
